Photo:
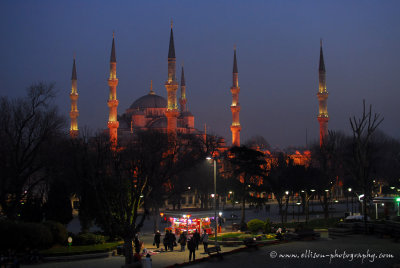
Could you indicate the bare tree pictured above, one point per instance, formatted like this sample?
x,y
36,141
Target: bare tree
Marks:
x,y
363,129
27,125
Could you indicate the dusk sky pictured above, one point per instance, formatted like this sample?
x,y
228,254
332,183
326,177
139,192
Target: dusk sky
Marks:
x,y
277,51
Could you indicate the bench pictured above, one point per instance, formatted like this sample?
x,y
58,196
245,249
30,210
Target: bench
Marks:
x,y
212,250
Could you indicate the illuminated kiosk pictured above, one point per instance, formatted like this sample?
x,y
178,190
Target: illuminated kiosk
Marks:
x,y
190,221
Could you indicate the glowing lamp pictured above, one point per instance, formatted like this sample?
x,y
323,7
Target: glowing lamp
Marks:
x,y
69,241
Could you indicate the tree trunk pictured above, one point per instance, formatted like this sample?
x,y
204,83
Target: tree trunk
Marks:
x,y
128,250
286,207
326,207
156,212
243,220
280,205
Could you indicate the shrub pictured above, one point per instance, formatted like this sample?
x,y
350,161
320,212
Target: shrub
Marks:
x,y
20,236
255,226
58,231
89,239
267,226
9,235
34,236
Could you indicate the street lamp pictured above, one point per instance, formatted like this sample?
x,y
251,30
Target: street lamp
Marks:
x,y
312,202
215,197
352,205
298,210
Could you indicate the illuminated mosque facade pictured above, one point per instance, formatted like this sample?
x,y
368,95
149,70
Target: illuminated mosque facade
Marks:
x,y
154,112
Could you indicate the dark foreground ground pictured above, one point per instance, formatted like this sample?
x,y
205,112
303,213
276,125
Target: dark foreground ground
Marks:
x,y
351,251
368,251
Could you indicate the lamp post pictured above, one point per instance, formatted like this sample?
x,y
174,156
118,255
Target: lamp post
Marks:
x,y
215,198
298,210
312,202
347,200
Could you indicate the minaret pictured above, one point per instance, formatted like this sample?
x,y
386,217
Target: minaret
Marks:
x,y
183,100
235,107
113,124
151,88
172,86
322,94
74,131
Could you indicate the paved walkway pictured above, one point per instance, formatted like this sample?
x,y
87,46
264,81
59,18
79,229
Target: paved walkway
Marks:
x,y
159,260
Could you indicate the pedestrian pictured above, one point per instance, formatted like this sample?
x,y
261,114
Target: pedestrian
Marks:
x,y
138,245
172,241
204,239
182,241
196,237
157,238
147,262
166,240
192,248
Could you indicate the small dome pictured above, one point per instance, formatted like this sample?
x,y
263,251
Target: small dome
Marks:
x,y
159,123
149,101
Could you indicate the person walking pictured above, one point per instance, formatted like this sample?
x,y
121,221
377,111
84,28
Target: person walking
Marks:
x,y
182,240
172,241
196,237
166,240
192,248
204,239
157,238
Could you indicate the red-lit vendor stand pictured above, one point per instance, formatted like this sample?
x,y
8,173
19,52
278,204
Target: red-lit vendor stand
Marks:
x,y
190,222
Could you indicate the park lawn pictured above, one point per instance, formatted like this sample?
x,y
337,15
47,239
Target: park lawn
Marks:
x,y
76,250
240,236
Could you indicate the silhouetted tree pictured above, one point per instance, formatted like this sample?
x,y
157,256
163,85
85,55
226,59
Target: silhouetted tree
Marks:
x,y
27,126
363,129
247,170
258,142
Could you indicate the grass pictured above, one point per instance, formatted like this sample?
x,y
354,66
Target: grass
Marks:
x,y
75,250
241,236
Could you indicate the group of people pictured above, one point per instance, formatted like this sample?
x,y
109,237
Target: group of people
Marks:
x,y
192,242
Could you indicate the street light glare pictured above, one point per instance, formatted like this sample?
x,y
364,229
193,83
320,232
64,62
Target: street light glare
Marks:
x,y
208,158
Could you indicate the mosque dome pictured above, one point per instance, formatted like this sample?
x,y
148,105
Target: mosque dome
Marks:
x,y
149,101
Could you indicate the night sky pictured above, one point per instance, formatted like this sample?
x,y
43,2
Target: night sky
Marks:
x,y
277,50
